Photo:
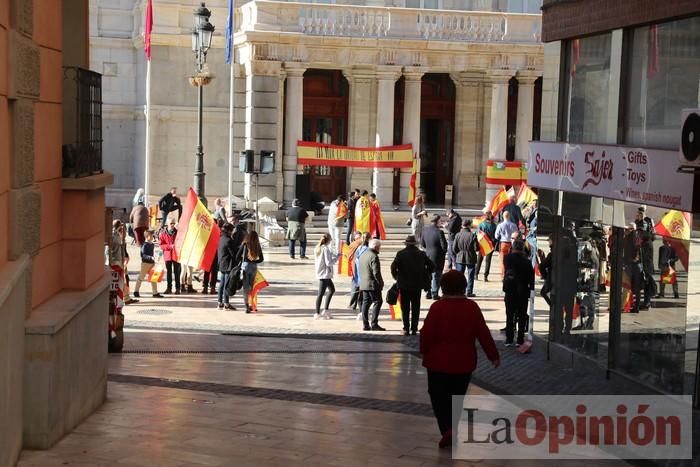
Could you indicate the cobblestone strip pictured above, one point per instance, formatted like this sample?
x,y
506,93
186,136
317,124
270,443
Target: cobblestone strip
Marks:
x,y
365,403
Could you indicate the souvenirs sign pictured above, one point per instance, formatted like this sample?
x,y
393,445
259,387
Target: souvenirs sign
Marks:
x,y
310,153
637,175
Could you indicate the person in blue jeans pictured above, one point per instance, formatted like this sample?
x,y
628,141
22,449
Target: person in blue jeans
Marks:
x,y
227,254
251,255
465,247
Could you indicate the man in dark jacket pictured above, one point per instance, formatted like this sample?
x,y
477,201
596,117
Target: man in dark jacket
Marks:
x,y
465,254
516,214
410,268
226,252
454,225
435,246
169,203
518,281
488,228
631,258
371,285
353,196
667,262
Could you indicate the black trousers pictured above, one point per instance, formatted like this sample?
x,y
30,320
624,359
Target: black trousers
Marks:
x,y
410,309
210,276
172,267
374,298
516,315
441,387
356,297
634,271
350,223
323,286
488,264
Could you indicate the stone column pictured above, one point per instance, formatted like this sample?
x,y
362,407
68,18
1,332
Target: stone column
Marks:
x,y
469,161
411,122
293,119
261,121
382,179
526,102
361,125
499,120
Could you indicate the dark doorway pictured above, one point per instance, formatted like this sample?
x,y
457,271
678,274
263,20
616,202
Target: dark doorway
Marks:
x,y
325,121
437,135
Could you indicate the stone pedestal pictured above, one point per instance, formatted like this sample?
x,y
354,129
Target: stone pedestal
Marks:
x,y
293,118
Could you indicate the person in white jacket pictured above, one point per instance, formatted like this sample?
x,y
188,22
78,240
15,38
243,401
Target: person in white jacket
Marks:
x,y
335,224
325,260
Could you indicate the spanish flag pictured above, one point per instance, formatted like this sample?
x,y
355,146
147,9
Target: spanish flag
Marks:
x,y
477,220
675,226
499,201
153,216
485,243
342,211
412,182
395,310
669,277
155,274
377,230
627,295
363,215
197,235
525,196
258,284
345,259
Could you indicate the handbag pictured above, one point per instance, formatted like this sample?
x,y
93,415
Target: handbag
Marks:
x,y
392,295
409,221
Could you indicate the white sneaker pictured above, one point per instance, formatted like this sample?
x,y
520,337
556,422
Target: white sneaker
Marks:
x,y
327,314
317,316
359,316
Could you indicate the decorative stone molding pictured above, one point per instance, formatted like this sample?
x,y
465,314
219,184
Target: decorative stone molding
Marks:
x,y
23,65
294,69
499,76
414,73
387,57
527,76
388,72
360,74
25,209
263,68
265,51
24,16
22,167
469,78
91,183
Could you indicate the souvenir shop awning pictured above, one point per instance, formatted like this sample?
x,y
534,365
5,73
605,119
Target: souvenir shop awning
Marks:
x,y
310,153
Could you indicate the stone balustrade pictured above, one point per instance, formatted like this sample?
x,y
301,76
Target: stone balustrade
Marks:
x,y
392,23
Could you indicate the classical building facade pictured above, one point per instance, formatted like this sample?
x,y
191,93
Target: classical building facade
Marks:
x,y
53,284
460,82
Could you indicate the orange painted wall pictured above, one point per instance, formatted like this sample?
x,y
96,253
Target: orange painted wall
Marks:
x,y
83,238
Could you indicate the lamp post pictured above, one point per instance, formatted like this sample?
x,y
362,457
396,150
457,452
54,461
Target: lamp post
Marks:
x,y
201,41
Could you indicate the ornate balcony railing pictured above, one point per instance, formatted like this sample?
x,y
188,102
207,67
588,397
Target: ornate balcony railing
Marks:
x,y
391,23
82,121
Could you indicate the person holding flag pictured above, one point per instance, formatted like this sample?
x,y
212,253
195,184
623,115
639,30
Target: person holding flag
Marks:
x,y
251,256
487,243
353,196
376,220
148,262
337,211
512,208
667,265
363,213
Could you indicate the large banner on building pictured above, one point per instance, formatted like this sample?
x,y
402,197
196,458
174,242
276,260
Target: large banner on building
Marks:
x,y
310,153
638,175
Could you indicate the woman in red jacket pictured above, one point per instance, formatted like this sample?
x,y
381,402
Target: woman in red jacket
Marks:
x,y
167,245
447,342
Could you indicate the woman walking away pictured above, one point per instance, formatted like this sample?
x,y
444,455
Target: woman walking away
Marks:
x,y
226,254
252,255
325,260
447,342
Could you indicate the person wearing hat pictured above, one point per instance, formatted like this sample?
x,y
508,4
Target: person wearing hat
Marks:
x,y
296,229
454,225
465,254
412,270
435,246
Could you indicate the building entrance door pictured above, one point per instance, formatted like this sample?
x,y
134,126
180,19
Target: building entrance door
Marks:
x,y
325,121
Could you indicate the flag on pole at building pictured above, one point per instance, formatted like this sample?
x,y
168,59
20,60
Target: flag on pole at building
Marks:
x,y
229,33
395,310
344,259
485,243
148,29
525,196
259,283
197,234
412,182
499,201
669,276
675,227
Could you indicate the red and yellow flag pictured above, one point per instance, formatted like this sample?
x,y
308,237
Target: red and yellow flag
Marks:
x,y
197,235
153,216
477,220
675,227
499,201
395,310
377,229
525,196
259,283
485,243
342,211
362,215
412,182
669,276
345,259
155,274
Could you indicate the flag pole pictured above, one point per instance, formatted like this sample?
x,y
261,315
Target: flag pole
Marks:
x,y
147,163
230,60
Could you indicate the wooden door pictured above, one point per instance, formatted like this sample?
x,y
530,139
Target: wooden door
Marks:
x,y
327,181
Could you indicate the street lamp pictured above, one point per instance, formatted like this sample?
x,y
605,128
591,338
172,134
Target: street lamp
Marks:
x,y
201,41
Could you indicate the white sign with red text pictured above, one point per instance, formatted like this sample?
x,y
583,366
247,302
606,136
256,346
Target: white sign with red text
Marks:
x,y
638,175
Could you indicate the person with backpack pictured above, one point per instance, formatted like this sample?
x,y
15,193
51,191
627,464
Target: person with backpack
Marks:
x,y
518,281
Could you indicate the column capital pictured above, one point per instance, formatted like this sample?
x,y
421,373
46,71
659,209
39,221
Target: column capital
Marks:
x,y
468,78
263,68
414,73
360,73
527,77
295,69
388,72
499,76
